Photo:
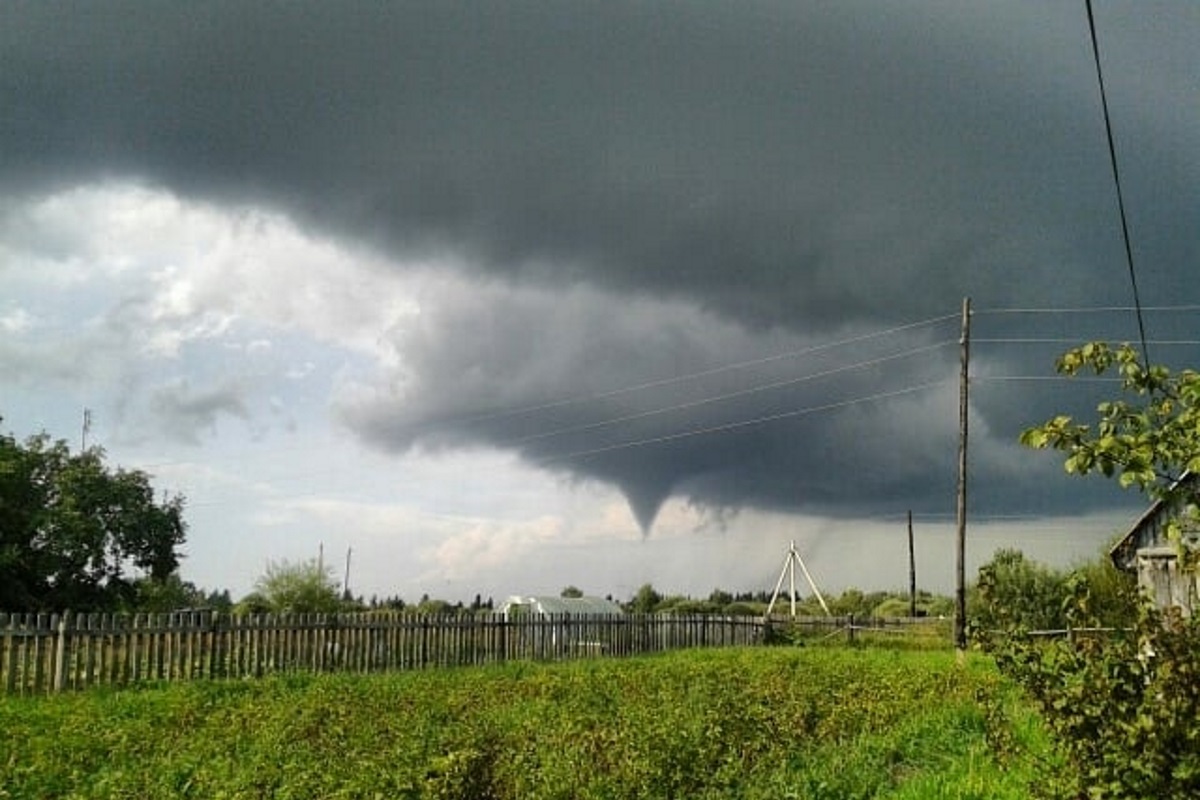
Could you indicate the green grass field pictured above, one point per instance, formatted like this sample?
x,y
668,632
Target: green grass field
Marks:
x,y
780,722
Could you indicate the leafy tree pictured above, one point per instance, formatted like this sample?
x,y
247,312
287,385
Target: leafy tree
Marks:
x,y
679,604
1111,593
1123,709
891,608
219,601
1147,439
1013,591
720,597
302,588
169,594
253,603
645,601
391,603
852,601
571,591
433,607
71,528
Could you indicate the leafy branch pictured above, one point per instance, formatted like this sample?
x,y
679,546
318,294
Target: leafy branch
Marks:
x,y
1148,439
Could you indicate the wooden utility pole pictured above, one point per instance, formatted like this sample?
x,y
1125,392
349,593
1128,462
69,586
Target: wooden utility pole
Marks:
x,y
912,571
960,569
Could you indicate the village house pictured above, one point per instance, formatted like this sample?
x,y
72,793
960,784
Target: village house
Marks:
x,y
1148,551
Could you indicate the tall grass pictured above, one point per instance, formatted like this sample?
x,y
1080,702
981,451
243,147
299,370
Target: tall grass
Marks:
x,y
753,723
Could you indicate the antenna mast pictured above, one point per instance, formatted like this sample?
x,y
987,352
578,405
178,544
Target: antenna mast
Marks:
x,y
83,432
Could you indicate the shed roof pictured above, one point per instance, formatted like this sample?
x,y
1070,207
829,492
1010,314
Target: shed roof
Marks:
x,y
549,604
1124,552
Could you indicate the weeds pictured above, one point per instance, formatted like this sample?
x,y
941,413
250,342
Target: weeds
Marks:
x,y
754,723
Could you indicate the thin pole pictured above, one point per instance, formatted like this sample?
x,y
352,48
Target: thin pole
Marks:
x,y
346,579
960,570
792,575
912,571
808,577
787,563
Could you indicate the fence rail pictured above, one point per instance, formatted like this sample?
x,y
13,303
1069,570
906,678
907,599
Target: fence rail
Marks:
x,y
913,631
43,653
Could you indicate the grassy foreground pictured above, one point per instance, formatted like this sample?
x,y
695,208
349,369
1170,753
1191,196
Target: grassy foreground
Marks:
x,y
753,723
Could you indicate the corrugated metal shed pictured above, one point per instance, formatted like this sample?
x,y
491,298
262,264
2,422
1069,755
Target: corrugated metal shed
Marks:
x,y
554,606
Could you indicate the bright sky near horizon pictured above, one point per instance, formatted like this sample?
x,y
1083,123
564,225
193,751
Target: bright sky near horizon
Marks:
x,y
504,298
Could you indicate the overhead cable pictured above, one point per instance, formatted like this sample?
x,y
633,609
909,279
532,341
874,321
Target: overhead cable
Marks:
x,y
804,351
1112,155
1084,309
730,426
1071,378
727,396
1065,340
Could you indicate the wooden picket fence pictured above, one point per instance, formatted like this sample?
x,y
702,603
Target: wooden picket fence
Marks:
x,y
43,653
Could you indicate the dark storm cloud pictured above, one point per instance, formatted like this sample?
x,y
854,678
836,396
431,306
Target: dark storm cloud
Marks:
x,y
861,423
794,167
488,383
768,159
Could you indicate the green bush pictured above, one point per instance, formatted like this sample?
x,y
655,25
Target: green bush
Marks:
x,y
1013,591
1122,707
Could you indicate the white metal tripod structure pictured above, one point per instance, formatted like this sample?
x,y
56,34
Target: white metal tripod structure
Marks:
x,y
789,571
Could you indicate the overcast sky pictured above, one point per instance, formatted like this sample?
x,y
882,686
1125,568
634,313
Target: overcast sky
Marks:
x,y
505,297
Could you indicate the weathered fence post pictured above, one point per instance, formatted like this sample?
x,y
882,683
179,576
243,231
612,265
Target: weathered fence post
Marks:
x,y
62,643
9,667
424,641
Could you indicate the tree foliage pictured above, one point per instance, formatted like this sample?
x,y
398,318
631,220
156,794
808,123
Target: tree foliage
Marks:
x,y
646,600
170,594
73,530
1146,439
1122,708
303,587
1013,591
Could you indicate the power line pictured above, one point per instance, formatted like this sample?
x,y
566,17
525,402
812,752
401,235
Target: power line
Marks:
x,y
1112,155
274,481
948,516
727,396
1066,340
1086,309
652,384
729,426
1072,379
